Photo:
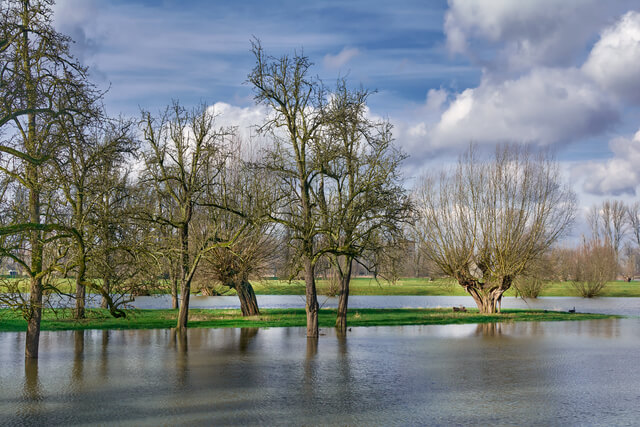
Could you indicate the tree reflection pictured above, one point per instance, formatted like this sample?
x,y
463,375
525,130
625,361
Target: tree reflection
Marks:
x,y
246,336
31,389
78,357
104,361
310,368
489,329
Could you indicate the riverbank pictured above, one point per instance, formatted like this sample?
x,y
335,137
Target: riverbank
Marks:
x,y
207,318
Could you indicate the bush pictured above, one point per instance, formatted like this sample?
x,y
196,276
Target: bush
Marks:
x,y
594,264
529,286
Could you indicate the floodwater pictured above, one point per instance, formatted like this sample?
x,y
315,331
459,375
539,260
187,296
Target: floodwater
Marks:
x,y
548,373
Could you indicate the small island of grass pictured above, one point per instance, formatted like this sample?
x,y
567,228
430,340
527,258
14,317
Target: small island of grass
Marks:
x,y
60,320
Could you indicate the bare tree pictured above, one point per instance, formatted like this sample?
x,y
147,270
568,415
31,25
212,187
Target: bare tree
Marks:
x,y
91,152
361,197
594,264
629,261
483,223
609,222
633,218
297,103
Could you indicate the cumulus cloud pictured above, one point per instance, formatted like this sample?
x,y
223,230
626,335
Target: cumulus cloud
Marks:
x,y
542,105
527,33
617,175
339,60
614,61
546,106
245,120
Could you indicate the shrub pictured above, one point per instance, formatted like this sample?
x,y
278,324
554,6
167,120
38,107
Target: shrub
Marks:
x,y
594,264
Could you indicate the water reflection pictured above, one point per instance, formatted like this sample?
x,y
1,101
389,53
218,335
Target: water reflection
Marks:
x,y
489,329
31,383
518,373
246,336
78,357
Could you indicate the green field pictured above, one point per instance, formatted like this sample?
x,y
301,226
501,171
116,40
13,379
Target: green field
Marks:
x,y
423,286
206,318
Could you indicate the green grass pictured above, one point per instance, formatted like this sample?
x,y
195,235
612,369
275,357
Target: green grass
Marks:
x,y
423,286
208,318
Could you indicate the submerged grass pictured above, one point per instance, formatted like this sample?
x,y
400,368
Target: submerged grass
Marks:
x,y
217,318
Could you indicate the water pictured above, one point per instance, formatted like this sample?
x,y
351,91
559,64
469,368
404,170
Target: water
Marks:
x,y
554,373
623,306
548,373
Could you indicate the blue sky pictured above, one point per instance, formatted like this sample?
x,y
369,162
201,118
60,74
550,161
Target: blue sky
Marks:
x,y
552,73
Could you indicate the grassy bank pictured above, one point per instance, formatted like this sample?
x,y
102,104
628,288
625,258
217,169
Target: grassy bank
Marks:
x,y
205,318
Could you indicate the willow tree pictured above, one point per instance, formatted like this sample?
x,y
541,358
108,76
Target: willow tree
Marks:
x,y
362,200
296,101
40,83
484,222
240,217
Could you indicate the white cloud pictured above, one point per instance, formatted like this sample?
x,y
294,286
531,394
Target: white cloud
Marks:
x,y
527,33
545,107
542,105
617,175
614,61
339,60
244,119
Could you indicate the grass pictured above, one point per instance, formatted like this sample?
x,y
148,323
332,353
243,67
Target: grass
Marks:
x,y
423,286
209,318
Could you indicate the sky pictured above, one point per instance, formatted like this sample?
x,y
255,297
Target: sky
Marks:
x,y
562,74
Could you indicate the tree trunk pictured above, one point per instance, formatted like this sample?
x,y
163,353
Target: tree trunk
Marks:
x,y
488,302
183,313
185,282
81,290
311,306
81,293
33,322
174,292
106,285
248,300
35,297
343,298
